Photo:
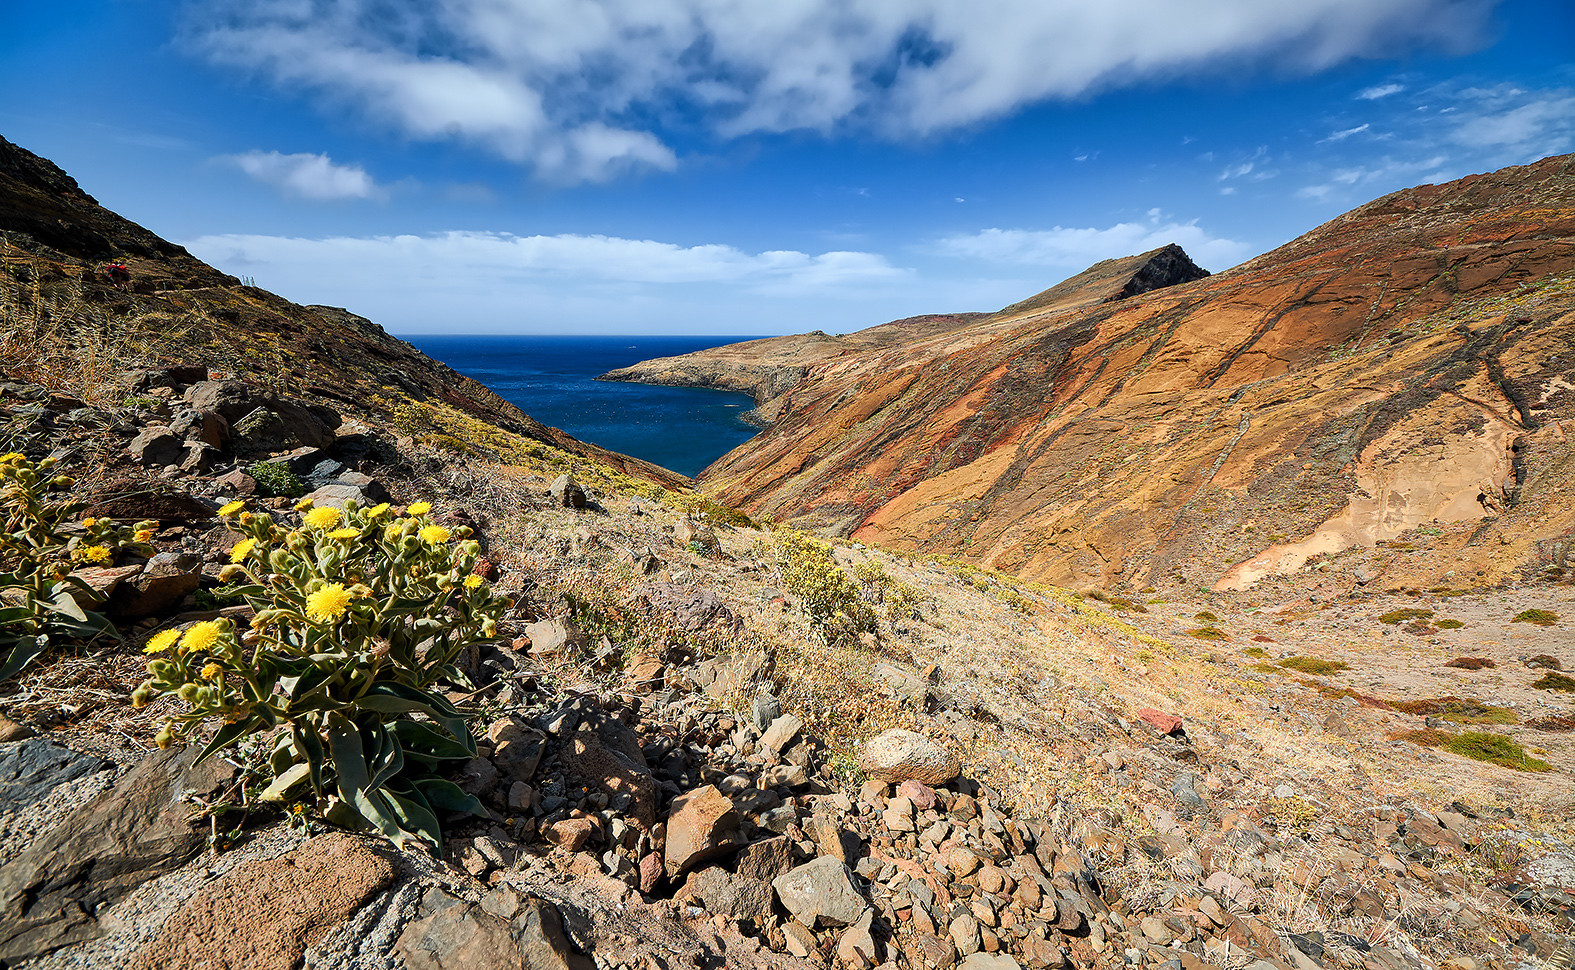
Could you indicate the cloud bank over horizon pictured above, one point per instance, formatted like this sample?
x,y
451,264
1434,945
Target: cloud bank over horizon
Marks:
x,y
586,92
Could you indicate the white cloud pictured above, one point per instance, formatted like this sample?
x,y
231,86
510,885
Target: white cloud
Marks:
x,y
1074,249
1379,91
306,175
583,90
486,281
1345,133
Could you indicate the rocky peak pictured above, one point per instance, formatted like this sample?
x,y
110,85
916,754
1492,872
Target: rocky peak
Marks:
x,y
1166,266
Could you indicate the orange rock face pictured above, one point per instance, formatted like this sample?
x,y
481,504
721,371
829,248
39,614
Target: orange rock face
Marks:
x,y
1410,363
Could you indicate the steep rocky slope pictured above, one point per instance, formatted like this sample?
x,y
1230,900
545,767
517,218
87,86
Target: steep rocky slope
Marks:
x,y
84,292
1404,366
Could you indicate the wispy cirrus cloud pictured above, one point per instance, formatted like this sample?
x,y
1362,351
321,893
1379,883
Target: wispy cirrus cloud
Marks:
x,y
306,175
590,91
1378,91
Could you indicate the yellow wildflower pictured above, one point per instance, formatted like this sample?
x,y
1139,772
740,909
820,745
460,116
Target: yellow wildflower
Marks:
x,y
472,581
377,510
348,532
89,523
324,518
161,641
420,508
433,534
303,505
242,549
93,554
210,671
232,507
201,636
143,535
328,603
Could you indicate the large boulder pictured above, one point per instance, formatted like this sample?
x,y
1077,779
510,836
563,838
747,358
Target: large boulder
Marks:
x,y
897,755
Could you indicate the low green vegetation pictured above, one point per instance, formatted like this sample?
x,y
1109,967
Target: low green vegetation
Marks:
x,y
1479,746
1460,710
1402,615
1258,652
275,479
1207,633
1448,624
1538,617
1555,681
1314,666
1471,663
830,598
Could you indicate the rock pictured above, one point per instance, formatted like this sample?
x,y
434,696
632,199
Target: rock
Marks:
x,y
800,939
765,709
459,937
32,768
964,932
1160,721
283,426
898,755
920,795
207,427
686,609
781,732
822,891
157,447
723,892
137,830
522,797
164,581
609,769
790,776
651,871
555,638
856,946
338,495
263,915
702,826
1233,888
765,860
231,400
516,747
571,833
567,492
645,673
238,483
11,731
102,581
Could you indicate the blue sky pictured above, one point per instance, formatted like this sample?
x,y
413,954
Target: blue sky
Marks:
x,y
743,167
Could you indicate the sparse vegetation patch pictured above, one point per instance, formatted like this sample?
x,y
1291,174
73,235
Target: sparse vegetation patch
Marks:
x,y
1471,663
1553,681
1539,617
1314,666
1402,615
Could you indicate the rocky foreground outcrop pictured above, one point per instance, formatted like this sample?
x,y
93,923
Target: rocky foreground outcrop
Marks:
x,y
1404,365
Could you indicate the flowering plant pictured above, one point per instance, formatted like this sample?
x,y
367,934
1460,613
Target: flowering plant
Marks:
x,y
359,615
38,596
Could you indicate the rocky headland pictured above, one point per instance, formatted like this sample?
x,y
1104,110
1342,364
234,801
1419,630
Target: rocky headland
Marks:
x,y
697,743
1404,366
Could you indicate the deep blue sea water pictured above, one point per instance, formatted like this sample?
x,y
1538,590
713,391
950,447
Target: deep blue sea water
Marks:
x,y
552,379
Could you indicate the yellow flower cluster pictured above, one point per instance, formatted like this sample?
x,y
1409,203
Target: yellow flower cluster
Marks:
x,y
433,534
242,549
328,603
326,517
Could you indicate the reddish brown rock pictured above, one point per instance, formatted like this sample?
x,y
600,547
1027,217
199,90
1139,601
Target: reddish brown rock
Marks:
x,y
703,825
263,915
1160,721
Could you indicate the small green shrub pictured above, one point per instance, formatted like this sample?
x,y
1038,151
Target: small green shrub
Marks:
x,y
831,600
1553,681
1207,633
276,479
1314,666
1409,613
1448,624
360,616
1496,748
138,403
1539,617
1257,652
1204,616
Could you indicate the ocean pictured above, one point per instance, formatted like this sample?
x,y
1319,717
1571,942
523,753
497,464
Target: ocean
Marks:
x,y
551,378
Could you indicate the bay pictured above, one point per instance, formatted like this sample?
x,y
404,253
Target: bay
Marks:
x,y
552,379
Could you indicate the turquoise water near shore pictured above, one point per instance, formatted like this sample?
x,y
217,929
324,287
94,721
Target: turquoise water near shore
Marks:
x,y
552,379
